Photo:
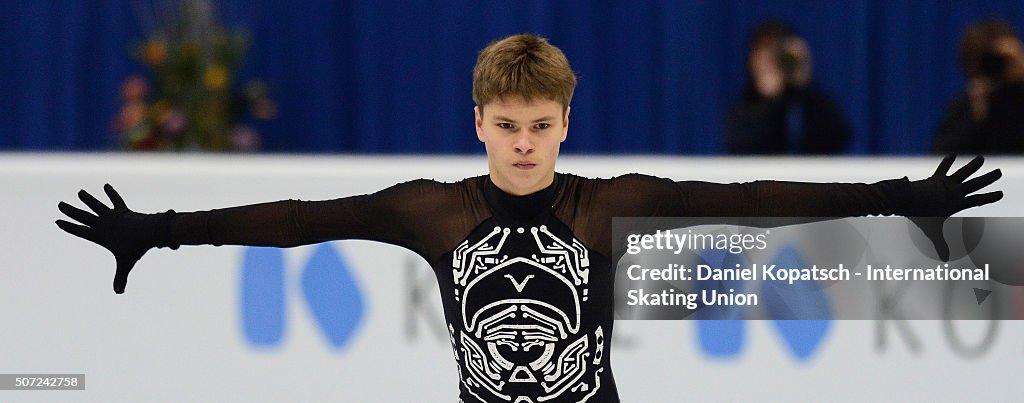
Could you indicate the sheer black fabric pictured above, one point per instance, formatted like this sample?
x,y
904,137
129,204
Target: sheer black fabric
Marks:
x,y
526,282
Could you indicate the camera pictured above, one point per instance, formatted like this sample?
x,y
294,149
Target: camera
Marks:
x,y
787,60
993,66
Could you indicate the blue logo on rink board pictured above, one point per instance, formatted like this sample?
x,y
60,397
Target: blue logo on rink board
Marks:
x,y
802,299
327,285
719,334
725,338
263,310
332,294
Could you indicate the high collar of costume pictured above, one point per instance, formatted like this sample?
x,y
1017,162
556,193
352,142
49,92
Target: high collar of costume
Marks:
x,y
521,207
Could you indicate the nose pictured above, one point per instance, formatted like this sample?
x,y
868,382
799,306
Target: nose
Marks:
x,y
523,143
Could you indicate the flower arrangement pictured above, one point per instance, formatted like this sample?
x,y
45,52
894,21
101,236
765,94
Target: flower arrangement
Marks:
x,y
193,101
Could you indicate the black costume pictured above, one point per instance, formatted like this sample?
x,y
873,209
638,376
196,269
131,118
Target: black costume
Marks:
x,y
526,281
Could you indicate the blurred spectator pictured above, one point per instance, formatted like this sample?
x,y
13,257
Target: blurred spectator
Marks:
x,y
989,116
782,110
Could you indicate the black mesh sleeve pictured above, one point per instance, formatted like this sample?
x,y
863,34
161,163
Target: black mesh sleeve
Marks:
x,y
423,216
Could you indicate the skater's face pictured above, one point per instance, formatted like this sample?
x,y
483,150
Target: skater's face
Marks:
x,y
522,141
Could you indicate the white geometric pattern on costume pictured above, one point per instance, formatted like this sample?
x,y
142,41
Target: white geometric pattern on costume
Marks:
x,y
520,339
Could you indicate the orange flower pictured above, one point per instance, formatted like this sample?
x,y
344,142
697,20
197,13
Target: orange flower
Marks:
x,y
132,114
216,77
155,52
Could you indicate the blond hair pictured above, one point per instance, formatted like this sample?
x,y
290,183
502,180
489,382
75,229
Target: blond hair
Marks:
x,y
522,65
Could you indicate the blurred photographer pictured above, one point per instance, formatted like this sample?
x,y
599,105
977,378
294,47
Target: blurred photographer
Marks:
x,y
989,116
782,111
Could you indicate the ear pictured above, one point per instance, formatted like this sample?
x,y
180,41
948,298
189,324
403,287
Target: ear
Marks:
x,y
479,123
565,124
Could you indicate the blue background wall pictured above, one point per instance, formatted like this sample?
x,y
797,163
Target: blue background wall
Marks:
x,y
395,77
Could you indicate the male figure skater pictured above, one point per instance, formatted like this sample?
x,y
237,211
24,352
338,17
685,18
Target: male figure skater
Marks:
x,y
522,255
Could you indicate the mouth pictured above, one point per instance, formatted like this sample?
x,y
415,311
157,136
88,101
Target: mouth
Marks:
x,y
524,165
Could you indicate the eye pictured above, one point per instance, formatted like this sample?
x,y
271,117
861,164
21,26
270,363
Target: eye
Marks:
x,y
505,125
542,126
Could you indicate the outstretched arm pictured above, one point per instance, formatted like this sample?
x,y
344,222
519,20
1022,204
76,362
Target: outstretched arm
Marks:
x,y
128,235
926,202
383,216
940,195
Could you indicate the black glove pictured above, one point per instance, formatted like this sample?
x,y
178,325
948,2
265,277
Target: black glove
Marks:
x,y
939,196
125,233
